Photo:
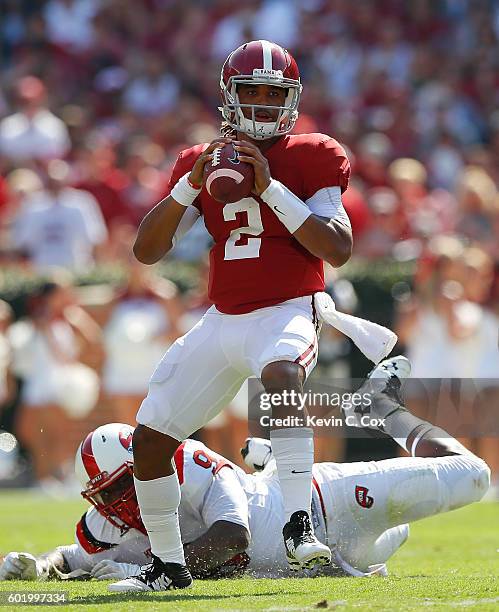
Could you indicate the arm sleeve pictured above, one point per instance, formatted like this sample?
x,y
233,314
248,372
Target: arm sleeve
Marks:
x,y
330,167
327,203
190,216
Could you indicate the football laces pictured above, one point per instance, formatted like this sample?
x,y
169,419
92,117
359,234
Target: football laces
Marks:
x,y
216,156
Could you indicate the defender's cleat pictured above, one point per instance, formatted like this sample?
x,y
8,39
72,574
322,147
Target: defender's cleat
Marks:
x,y
383,388
156,576
303,549
398,366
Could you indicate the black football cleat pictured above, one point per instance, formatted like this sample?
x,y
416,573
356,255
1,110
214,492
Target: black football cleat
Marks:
x,y
156,576
303,549
383,386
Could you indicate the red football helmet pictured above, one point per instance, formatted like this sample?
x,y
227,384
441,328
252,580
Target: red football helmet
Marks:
x,y
260,62
104,466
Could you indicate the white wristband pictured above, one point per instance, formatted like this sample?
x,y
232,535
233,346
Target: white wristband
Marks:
x,y
288,208
183,192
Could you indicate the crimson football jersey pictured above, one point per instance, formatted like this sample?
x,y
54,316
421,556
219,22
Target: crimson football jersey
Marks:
x,y
255,261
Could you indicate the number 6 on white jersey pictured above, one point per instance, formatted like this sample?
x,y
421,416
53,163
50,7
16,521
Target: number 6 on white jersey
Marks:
x,y
254,228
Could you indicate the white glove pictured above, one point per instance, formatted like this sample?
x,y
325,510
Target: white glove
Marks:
x,y
112,570
257,452
20,566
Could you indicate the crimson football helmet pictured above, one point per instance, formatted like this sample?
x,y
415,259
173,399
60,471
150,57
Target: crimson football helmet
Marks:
x,y
260,62
104,466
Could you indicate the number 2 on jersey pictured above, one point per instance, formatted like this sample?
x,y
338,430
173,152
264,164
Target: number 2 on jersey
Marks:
x,y
254,228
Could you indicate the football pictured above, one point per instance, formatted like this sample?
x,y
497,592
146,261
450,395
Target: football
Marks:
x,y
227,179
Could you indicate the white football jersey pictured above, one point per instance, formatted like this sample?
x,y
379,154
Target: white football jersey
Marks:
x,y
366,505
213,489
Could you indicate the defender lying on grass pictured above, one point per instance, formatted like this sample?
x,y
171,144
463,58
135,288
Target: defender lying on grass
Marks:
x,y
230,520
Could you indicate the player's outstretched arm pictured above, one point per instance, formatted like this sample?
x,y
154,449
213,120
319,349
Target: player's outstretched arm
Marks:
x,y
223,541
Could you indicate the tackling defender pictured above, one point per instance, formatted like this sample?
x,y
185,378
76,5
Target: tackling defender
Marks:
x,y
230,520
265,266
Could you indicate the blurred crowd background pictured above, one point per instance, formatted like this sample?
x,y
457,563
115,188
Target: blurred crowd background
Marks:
x,y
97,97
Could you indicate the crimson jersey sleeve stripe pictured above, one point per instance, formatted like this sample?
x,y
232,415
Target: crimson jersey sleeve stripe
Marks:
x,y
87,541
87,456
178,458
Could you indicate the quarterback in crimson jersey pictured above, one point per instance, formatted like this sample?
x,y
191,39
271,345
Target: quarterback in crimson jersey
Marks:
x,y
265,267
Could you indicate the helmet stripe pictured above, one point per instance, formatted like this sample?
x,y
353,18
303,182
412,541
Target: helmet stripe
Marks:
x,y
87,456
267,54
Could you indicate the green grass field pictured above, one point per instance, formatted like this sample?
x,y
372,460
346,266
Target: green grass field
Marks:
x,y
450,562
